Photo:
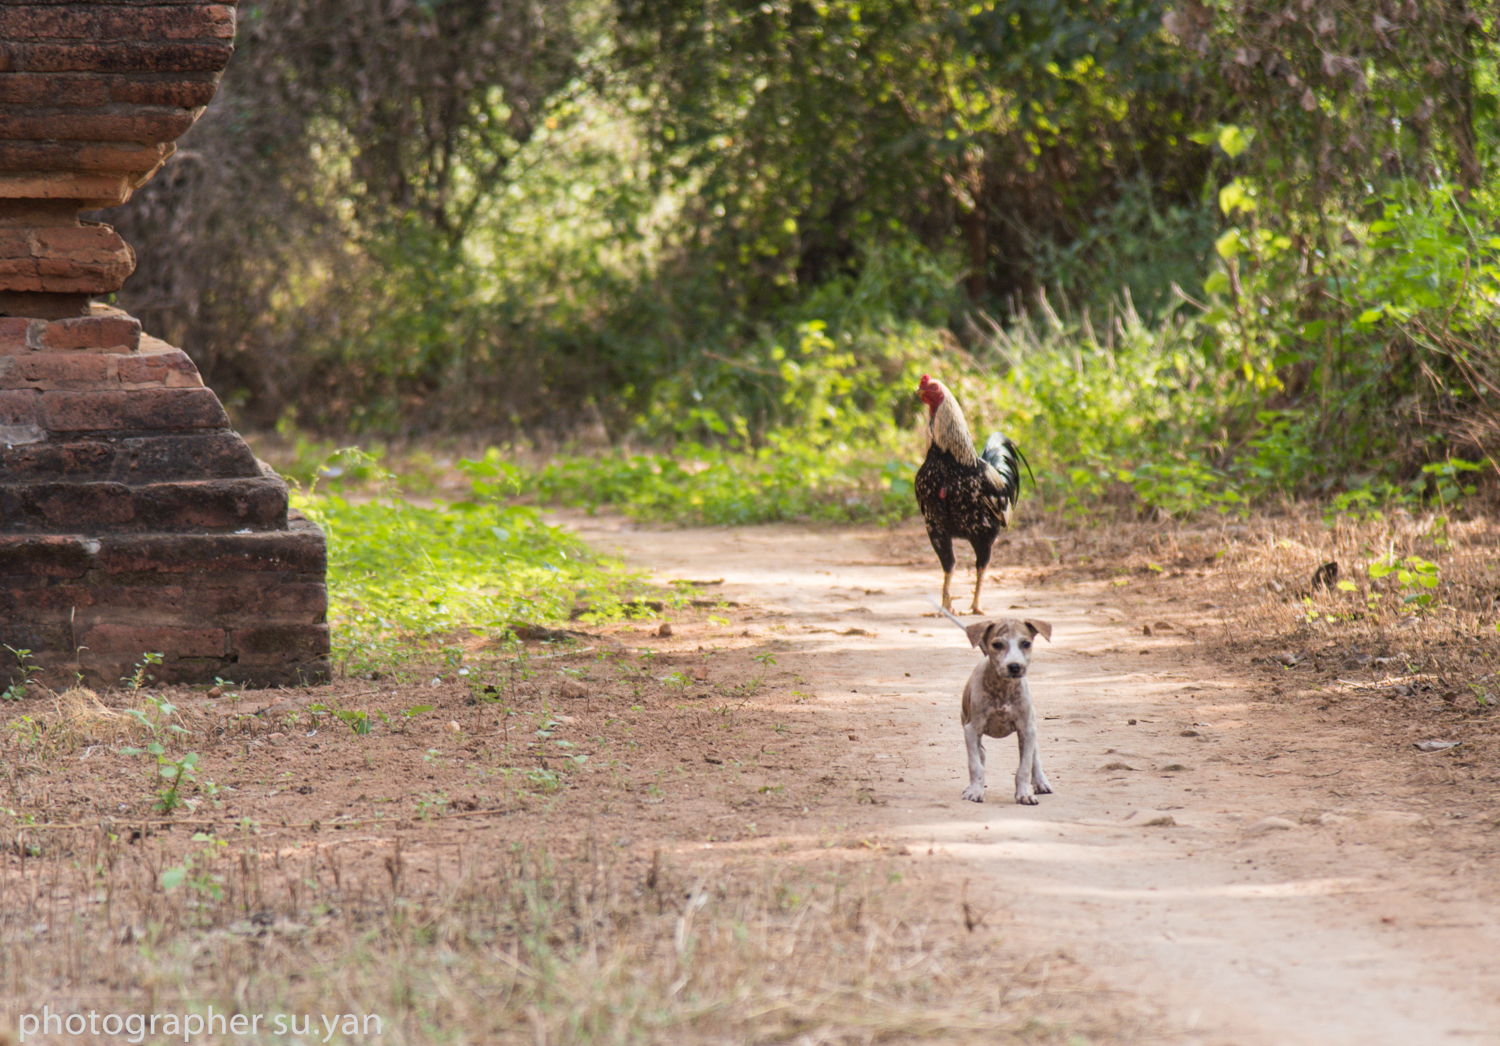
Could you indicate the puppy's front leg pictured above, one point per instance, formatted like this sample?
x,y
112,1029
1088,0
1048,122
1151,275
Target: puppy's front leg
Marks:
x,y
974,743
1026,739
1038,778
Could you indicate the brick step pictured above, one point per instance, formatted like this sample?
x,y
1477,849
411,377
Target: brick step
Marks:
x,y
31,416
104,507
251,608
134,460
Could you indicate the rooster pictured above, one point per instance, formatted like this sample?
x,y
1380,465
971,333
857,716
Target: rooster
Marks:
x,y
961,493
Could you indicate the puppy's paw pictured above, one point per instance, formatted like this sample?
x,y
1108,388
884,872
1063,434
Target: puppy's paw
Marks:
x,y
1043,787
1026,800
974,793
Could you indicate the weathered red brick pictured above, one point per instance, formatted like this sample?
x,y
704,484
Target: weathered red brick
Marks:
x,y
115,57
250,556
116,3
136,460
172,368
286,603
85,604
135,123
77,238
81,507
16,243
184,94
284,642
88,157
58,459
57,370
64,259
215,504
76,90
12,512
19,274
31,21
13,332
154,409
41,637
141,639
222,601
91,332
18,407
41,555
199,455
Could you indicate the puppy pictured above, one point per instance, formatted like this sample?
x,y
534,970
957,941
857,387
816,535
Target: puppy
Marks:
x,y
997,702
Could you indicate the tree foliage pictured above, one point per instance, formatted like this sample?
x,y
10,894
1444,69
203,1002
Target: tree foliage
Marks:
x,y
631,219
814,126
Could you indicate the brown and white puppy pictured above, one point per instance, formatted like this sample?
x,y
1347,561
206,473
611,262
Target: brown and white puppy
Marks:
x,y
997,702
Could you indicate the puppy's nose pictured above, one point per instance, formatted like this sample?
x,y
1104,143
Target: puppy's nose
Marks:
x,y
1016,669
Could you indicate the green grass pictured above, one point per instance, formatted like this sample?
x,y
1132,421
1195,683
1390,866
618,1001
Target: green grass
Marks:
x,y
405,580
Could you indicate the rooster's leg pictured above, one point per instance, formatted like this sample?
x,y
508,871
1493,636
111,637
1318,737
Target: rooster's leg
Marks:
x,y
942,544
982,550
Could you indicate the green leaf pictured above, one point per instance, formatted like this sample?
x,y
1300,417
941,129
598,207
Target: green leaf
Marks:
x,y
171,878
1229,244
1235,140
1235,197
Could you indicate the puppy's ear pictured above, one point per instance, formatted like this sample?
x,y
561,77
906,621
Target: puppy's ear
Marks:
x,y
979,632
1040,628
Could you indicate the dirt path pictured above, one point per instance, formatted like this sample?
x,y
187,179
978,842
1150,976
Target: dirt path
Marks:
x,y
1252,878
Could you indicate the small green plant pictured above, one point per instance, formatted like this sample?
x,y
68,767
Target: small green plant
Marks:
x,y
226,688
197,872
409,715
174,771
434,802
140,677
29,732
1416,576
25,670
358,720
156,717
1447,480
544,779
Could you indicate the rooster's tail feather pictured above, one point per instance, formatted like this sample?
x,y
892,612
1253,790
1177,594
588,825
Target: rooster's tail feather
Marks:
x,y
1005,458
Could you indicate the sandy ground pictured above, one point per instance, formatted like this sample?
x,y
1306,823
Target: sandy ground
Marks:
x,y
1255,875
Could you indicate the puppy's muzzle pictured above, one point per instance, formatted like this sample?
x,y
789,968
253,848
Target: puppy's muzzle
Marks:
x,y
1015,669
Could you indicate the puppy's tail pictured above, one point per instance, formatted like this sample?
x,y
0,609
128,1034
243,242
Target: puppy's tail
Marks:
x,y
950,615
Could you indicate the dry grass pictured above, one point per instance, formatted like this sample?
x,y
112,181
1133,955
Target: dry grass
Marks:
x,y
1447,630
529,946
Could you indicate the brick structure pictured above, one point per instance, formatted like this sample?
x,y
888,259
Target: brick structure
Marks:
x,y
133,519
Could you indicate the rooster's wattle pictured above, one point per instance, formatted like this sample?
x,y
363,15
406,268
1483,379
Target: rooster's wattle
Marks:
x,y
963,493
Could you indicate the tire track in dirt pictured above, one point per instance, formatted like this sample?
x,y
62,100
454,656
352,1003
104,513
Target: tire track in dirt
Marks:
x,y
1251,879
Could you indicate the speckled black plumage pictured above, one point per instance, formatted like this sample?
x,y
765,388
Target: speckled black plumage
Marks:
x,y
960,501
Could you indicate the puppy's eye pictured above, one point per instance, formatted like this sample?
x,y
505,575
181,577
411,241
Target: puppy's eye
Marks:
x,y
1025,644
